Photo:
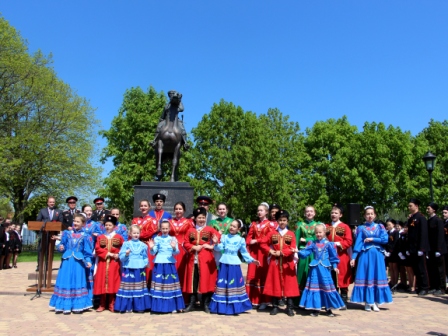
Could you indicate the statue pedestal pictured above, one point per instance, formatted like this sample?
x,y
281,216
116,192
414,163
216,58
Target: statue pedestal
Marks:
x,y
174,192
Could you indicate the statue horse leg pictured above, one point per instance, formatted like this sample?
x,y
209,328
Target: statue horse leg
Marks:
x,y
176,157
159,152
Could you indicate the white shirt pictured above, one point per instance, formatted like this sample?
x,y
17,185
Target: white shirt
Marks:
x,y
334,224
282,232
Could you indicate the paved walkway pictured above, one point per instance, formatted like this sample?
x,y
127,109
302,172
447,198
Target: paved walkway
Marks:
x,y
408,315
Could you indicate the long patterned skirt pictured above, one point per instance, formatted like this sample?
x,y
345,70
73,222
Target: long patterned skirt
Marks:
x,y
70,291
320,291
371,285
133,294
165,292
230,295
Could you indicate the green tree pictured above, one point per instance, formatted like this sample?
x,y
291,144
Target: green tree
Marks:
x,y
433,138
243,159
47,130
331,176
382,157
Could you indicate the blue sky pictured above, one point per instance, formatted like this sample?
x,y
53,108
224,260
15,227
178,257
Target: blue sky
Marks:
x,y
383,61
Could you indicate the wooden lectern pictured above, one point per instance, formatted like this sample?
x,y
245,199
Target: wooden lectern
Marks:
x,y
46,255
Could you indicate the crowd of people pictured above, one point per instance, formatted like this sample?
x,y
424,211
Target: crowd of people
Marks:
x,y
179,263
10,243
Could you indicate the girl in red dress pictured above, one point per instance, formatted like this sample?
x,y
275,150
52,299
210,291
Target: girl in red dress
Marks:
x,y
179,226
256,276
201,267
149,228
281,280
107,277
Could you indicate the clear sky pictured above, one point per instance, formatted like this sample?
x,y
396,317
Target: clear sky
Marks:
x,y
383,61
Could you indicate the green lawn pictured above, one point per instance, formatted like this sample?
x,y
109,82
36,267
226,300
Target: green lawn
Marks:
x,y
32,256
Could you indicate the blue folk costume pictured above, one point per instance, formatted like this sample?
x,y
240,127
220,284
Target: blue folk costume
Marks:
x,y
70,291
230,295
371,285
320,291
165,292
133,294
93,231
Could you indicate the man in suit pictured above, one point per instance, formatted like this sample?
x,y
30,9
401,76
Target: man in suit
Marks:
x,y
204,202
67,215
99,213
48,214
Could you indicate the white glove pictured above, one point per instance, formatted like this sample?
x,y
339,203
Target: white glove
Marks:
x,y
407,253
420,253
387,254
338,244
437,254
402,257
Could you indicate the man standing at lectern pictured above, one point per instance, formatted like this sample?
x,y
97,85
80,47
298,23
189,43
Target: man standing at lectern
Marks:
x,y
48,214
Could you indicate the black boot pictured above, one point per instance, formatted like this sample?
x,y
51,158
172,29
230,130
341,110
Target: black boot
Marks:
x,y
190,306
207,298
274,310
344,294
289,307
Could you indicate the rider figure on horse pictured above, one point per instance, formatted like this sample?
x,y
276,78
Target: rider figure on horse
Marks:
x,y
174,103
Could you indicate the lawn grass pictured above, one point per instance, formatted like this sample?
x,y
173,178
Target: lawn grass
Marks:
x,y
32,256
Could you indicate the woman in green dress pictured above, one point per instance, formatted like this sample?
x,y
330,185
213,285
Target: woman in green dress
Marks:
x,y
304,234
222,223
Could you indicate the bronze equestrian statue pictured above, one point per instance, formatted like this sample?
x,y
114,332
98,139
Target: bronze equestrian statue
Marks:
x,y
170,136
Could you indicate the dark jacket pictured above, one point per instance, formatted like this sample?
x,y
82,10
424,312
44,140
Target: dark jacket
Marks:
x,y
98,216
44,215
67,218
436,235
418,233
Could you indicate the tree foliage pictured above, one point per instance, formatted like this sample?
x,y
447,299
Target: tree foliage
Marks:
x,y
47,130
243,159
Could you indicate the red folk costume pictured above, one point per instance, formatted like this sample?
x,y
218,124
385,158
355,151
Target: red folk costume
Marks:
x,y
178,229
281,279
341,233
107,277
206,260
256,276
148,229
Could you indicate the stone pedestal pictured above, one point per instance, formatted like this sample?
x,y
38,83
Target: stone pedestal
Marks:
x,y
174,192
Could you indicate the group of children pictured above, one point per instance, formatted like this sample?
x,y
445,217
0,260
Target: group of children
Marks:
x,y
325,258
10,244
171,265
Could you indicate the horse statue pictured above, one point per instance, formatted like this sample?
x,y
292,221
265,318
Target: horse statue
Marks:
x,y
170,136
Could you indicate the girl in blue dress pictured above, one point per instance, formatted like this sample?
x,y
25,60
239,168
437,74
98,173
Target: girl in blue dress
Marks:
x,y
70,291
166,295
133,294
230,297
93,230
371,285
320,292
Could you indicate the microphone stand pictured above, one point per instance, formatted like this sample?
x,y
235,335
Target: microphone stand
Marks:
x,y
41,259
